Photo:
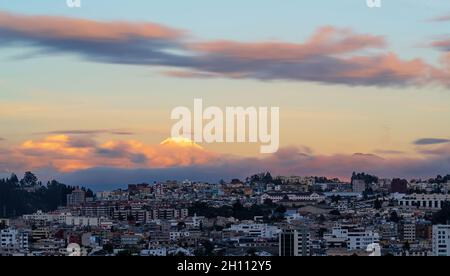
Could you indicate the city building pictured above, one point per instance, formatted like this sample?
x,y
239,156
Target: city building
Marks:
x,y
424,201
166,213
82,221
408,231
361,239
354,238
12,239
77,197
358,186
277,197
441,240
294,242
256,230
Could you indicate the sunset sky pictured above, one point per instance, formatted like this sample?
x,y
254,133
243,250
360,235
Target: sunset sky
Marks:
x,y
86,93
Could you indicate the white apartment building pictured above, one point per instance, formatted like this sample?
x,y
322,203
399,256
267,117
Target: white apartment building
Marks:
x,y
63,218
354,238
195,221
39,216
154,252
166,213
11,239
424,201
441,240
361,239
277,197
308,181
82,221
176,235
47,217
256,230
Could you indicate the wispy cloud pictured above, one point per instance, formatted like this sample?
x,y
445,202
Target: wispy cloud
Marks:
x,y
441,18
443,44
389,152
437,150
331,55
431,141
89,132
107,42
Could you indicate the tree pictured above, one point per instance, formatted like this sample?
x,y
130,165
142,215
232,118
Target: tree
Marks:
x,y
336,199
108,248
335,213
394,217
251,252
15,201
267,178
268,202
368,179
377,204
406,246
124,253
322,219
443,216
321,232
29,180
181,225
280,210
13,179
206,249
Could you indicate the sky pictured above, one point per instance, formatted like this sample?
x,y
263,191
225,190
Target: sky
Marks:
x,y
86,93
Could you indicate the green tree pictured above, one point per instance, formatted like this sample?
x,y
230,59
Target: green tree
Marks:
x,y
377,204
108,248
442,216
29,180
394,217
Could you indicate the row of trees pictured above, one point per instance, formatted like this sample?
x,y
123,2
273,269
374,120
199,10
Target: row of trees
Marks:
x,y
16,200
440,179
368,179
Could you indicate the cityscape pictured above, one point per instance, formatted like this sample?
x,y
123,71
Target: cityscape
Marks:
x,y
261,216
224,131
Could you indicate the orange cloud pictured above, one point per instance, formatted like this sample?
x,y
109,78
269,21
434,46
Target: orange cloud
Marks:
x,y
69,28
66,153
327,40
391,68
331,55
180,158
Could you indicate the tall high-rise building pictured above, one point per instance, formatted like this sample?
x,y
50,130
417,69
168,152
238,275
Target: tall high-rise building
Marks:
x,y
441,240
294,242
